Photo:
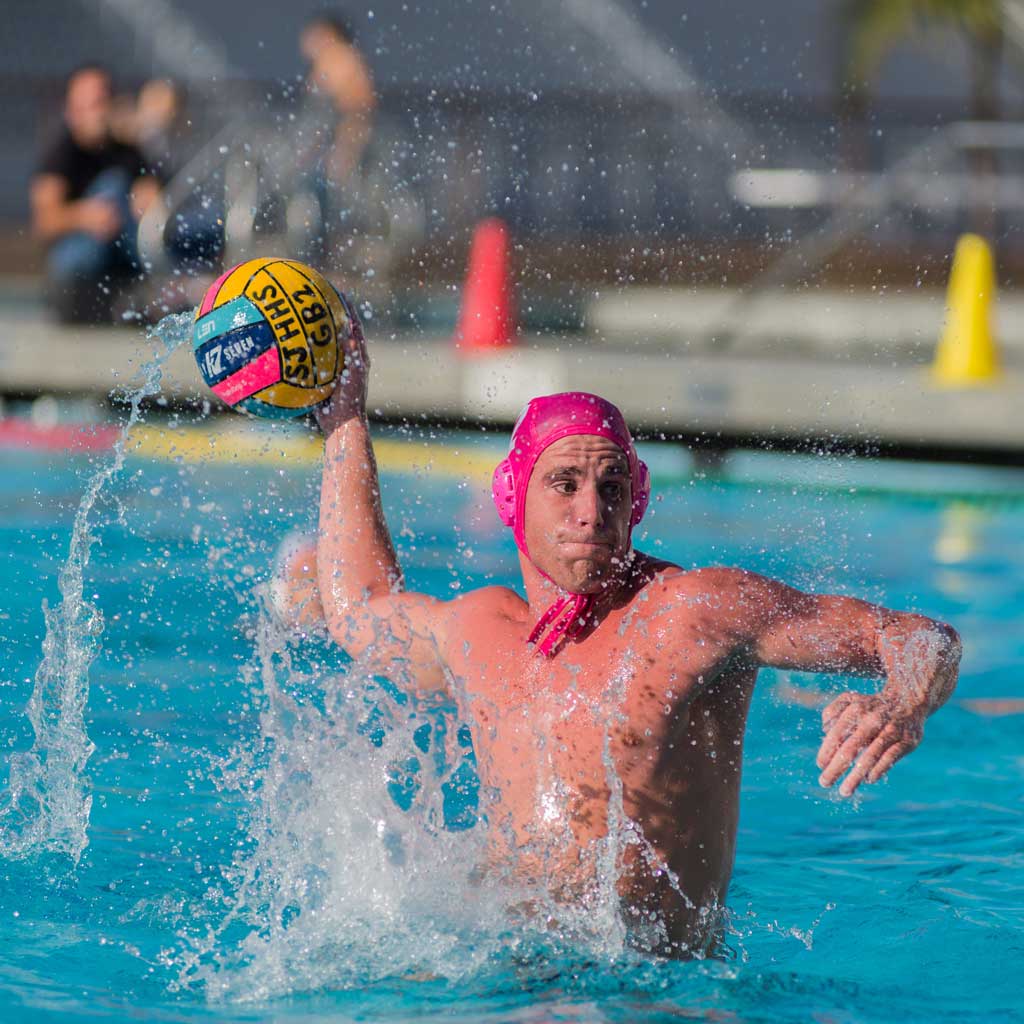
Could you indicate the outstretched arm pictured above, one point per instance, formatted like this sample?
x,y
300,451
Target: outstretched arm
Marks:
x,y
366,607
918,657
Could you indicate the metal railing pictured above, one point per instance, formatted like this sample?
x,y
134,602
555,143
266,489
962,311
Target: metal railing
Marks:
x,y
262,190
924,180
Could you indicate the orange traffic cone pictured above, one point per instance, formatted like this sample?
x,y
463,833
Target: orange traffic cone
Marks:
x,y
487,318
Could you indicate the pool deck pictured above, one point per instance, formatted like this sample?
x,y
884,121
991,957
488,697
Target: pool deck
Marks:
x,y
867,388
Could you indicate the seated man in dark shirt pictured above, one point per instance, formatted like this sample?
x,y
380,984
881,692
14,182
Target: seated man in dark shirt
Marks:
x,y
87,195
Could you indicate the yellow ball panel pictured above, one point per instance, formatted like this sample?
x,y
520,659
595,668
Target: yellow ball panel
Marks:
x,y
309,321
324,331
342,322
288,396
328,355
235,283
300,317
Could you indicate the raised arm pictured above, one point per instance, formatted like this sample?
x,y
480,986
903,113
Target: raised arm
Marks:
x,y
366,606
917,657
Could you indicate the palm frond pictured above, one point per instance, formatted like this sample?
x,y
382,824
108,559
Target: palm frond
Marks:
x,y
872,28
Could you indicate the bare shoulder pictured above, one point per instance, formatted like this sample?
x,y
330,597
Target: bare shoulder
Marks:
x,y
726,589
727,579
674,579
487,602
482,612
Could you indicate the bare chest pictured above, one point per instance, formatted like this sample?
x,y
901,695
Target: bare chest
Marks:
x,y
639,726
608,706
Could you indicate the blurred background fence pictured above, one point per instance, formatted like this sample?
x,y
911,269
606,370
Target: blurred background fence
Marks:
x,y
672,173
613,123
562,163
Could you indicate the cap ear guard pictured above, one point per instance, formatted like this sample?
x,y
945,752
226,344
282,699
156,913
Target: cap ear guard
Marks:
x,y
643,492
503,491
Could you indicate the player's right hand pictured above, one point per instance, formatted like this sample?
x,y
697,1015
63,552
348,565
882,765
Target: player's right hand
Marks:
x,y
348,399
99,218
867,733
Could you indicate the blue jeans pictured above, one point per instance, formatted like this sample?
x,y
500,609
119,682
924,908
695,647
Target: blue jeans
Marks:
x,y
80,259
194,236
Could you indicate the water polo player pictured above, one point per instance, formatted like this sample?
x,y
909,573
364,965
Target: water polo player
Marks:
x,y
614,695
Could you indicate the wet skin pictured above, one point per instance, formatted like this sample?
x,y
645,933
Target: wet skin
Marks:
x,y
652,696
654,699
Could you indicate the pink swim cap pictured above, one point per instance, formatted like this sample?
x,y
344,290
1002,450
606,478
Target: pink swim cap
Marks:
x,y
544,421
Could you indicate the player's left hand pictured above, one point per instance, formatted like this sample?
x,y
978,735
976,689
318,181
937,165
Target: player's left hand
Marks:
x,y
871,732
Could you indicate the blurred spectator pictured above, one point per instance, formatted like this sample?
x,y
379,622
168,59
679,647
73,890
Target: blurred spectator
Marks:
x,y
339,73
158,124
122,117
193,234
86,196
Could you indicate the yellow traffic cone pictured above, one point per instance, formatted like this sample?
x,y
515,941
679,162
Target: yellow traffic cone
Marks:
x,y
966,354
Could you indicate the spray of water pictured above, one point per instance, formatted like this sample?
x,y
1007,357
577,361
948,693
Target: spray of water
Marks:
x,y
348,874
351,872
45,808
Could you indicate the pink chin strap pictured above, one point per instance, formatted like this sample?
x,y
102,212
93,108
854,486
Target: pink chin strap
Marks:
x,y
544,421
562,625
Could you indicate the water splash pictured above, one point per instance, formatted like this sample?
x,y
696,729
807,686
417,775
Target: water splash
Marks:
x,y
45,808
745,925
349,871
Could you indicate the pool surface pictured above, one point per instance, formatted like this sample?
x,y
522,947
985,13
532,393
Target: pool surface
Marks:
x,y
224,826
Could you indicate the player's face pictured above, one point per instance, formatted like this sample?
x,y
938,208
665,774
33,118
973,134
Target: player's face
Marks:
x,y
578,505
87,107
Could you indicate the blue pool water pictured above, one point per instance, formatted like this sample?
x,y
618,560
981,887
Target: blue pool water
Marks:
x,y
273,835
